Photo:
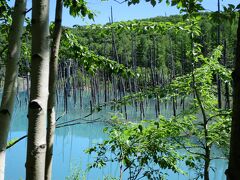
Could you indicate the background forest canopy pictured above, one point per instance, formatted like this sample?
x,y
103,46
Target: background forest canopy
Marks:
x,y
188,60
97,40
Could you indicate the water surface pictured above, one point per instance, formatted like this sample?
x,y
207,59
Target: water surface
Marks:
x,y
70,143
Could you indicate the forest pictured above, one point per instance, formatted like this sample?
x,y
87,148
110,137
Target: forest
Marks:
x,y
155,98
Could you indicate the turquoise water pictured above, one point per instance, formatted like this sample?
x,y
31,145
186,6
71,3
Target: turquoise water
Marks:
x,y
70,143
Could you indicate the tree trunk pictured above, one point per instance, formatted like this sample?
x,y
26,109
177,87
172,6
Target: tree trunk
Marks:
x,y
37,111
53,72
219,84
233,172
10,83
227,96
207,161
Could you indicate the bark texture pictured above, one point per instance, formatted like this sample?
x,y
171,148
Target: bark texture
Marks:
x,y
37,110
10,83
233,172
53,71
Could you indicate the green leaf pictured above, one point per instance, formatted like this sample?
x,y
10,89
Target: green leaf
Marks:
x,y
153,2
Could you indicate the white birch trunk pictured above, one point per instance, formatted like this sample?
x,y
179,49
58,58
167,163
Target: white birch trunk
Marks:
x,y
10,83
53,71
37,111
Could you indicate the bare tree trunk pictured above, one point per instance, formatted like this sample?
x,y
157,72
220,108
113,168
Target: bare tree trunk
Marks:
x,y
53,72
233,172
173,74
219,84
227,97
37,112
10,83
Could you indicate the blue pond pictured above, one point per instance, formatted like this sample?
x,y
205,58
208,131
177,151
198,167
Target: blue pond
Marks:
x,y
70,143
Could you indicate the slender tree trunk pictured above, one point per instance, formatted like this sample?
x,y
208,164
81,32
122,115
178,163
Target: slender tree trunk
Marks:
x,y
37,111
227,97
10,83
134,67
233,172
207,162
207,147
173,74
53,72
219,84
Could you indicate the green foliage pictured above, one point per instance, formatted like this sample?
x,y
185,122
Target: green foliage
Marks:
x,y
143,148
76,174
5,12
142,27
148,147
78,7
186,6
229,14
92,62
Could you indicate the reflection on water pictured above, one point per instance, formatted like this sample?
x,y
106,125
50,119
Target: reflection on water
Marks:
x,y
70,143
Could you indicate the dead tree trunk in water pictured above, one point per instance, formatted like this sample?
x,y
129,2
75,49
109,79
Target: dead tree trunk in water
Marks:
x,y
134,66
173,73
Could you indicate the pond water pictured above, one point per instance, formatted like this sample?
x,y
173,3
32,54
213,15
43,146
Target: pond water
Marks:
x,y
70,143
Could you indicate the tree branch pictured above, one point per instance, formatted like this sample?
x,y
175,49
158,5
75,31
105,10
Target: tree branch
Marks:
x,y
120,2
15,142
28,11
